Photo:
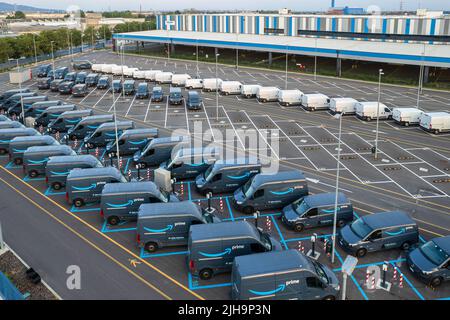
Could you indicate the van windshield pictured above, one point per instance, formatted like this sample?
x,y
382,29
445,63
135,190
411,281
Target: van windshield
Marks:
x,y
300,206
265,240
360,228
320,272
434,253
248,189
207,173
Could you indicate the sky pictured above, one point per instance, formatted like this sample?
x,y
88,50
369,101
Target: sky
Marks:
x,y
296,5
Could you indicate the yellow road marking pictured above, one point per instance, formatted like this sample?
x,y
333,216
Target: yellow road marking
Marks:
x,y
108,238
86,240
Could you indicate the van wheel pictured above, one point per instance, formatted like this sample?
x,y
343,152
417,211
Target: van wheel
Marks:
x,y
406,124
56,186
113,220
18,161
2,151
248,210
205,274
369,119
299,227
33,174
341,223
78,203
330,298
406,246
436,282
361,252
151,246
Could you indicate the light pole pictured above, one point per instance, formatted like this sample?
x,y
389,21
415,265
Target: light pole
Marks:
x,y
315,60
35,50
380,73
196,56
237,50
337,188
115,123
420,84
53,59
286,76
121,61
20,86
217,89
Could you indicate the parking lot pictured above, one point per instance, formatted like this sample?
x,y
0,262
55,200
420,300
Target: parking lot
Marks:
x,y
411,172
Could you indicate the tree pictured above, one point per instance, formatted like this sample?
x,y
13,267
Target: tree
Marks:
x,y
6,50
17,15
104,32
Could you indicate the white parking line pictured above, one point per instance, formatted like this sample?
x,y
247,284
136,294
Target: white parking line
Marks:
x,y
131,104
93,107
167,111
234,129
262,136
148,109
88,95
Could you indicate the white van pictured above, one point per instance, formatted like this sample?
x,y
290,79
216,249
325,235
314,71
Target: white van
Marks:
x,y
117,70
128,72
290,97
163,77
436,122
194,84
368,111
97,67
343,105
107,68
179,80
315,101
249,90
230,87
211,84
139,74
266,94
406,116
150,75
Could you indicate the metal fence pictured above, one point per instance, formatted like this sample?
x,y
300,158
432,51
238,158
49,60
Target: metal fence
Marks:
x,y
58,53
7,290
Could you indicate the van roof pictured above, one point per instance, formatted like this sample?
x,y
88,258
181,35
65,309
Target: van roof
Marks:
x,y
86,158
168,140
270,262
19,130
31,139
443,243
61,107
101,117
143,131
133,186
129,82
229,229
44,103
43,149
238,162
437,113
75,113
34,97
388,219
170,208
324,199
91,172
108,125
277,177
175,89
189,152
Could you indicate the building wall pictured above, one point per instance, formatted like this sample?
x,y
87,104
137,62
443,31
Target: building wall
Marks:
x,y
294,25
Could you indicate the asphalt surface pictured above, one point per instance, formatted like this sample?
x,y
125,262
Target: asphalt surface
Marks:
x,y
406,176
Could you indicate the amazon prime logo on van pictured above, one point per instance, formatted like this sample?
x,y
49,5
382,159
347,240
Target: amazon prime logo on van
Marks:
x,y
230,143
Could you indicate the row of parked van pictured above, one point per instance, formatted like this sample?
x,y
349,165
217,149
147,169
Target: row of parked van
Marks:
x,y
215,246
435,122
